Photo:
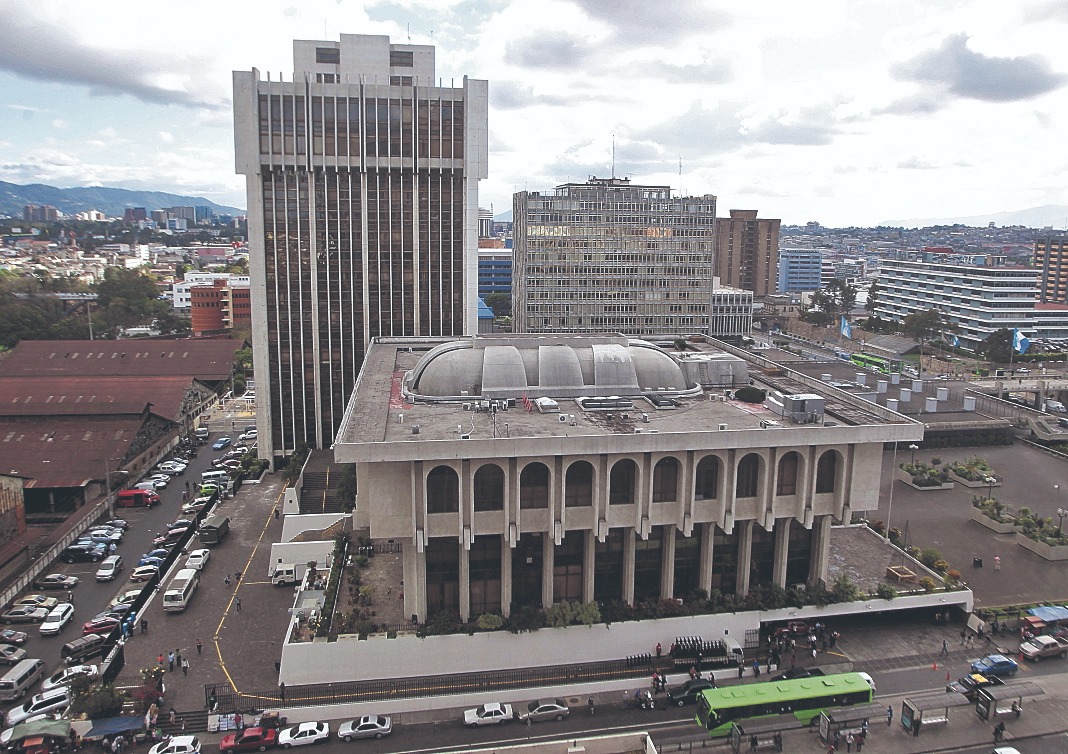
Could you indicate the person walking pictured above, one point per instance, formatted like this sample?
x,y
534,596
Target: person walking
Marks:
x,y
173,715
659,650
170,661
237,602
589,703
963,636
178,657
997,562
200,645
889,715
185,667
70,596
945,649
160,659
144,626
849,741
227,581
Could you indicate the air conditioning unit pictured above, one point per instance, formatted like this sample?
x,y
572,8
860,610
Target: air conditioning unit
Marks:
x,y
563,418
467,406
722,427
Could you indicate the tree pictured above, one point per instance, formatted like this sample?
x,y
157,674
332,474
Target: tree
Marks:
x,y
500,303
873,298
922,326
998,345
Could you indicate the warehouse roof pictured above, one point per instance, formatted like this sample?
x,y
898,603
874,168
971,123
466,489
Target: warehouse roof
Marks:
x,y
208,360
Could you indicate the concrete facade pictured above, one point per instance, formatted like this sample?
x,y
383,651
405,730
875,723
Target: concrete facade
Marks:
x,y
507,502
747,251
362,176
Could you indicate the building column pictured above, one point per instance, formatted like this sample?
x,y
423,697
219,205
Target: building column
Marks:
x,y
745,556
548,552
708,538
667,562
465,583
506,576
414,572
782,550
589,564
628,565
821,544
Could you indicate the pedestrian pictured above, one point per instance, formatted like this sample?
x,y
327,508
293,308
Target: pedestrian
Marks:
x,y
144,626
70,596
160,659
237,577
200,645
889,715
1016,708
756,668
849,741
741,671
945,649
793,659
963,636
227,581
276,514
185,667
183,731
860,741
812,651
659,650
997,562
170,661
237,601
837,739
589,703
178,657
282,691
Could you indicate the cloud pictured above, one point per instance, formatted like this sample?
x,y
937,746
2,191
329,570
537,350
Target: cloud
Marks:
x,y
512,95
547,50
166,137
60,123
24,108
708,72
649,23
963,73
1050,10
38,49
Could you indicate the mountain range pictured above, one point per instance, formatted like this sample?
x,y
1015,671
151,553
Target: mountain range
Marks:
x,y
111,201
1047,216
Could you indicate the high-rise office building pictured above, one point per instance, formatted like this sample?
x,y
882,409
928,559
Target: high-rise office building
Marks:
x,y
799,270
747,251
362,176
608,256
1051,257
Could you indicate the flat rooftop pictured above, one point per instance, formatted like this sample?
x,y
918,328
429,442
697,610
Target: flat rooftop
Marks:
x,y
379,412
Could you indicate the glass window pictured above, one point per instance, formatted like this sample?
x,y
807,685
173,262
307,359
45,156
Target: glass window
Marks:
x,y
489,488
826,471
579,485
621,483
534,486
665,480
786,484
442,490
748,476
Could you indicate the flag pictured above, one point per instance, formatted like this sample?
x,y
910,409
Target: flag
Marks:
x,y
954,340
527,403
845,329
1020,344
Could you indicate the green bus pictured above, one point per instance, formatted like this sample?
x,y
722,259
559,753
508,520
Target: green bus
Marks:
x,y
876,363
717,709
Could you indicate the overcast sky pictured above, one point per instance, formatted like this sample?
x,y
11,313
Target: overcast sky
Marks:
x,y
848,112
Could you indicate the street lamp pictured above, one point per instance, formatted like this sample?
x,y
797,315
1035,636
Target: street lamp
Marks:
x,y
1061,513
914,447
990,482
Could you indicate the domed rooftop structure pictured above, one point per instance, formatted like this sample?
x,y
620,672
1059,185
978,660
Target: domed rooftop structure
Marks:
x,y
560,366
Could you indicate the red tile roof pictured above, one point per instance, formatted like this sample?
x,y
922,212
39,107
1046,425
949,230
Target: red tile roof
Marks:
x,y
208,360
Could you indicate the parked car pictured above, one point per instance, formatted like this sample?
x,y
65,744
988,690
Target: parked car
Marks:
x,y
793,628
11,655
151,560
100,537
195,507
11,636
172,467
304,734
56,581
688,692
57,619
169,539
117,523
969,685
126,598
144,573
113,534
158,552
249,435
998,665
198,559
83,553
368,726
222,442
1044,646
109,568
106,546
47,701
36,600
794,673
544,709
66,676
488,714
102,624
177,745
24,614
249,739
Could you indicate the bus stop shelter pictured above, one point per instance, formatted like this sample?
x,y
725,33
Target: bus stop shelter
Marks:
x,y
848,719
754,733
995,701
929,710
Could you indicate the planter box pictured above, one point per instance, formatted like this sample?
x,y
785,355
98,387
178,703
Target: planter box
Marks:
x,y
902,476
1048,552
996,526
969,483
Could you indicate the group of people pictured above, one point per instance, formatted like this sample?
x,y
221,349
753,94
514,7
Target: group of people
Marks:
x,y
858,738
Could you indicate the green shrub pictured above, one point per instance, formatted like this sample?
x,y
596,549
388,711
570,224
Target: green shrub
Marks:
x,y
750,394
490,622
928,584
885,591
930,556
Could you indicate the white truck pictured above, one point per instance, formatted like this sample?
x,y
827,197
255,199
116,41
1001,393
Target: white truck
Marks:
x,y
1044,646
288,573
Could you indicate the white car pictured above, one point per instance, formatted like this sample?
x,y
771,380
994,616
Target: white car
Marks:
x,y
250,435
198,559
488,714
47,701
59,617
172,467
368,726
305,733
177,745
65,676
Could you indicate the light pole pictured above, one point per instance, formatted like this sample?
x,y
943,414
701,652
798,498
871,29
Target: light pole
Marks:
x,y
1061,513
990,482
914,447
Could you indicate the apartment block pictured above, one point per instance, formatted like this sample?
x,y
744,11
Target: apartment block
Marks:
x,y
747,251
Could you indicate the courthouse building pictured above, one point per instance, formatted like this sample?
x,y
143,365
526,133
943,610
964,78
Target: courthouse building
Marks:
x,y
525,470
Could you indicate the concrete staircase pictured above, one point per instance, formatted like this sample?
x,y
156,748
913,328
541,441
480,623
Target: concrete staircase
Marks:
x,y
318,494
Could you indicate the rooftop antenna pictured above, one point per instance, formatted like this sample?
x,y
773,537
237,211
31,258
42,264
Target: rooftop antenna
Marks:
x,y
408,26
613,155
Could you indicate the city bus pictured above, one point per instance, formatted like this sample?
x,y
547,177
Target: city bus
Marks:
x,y
181,590
876,363
806,698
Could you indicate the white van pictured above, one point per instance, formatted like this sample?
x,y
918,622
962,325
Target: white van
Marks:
x,y
1052,405
218,477
16,681
181,590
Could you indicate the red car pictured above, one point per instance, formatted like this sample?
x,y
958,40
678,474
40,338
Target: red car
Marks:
x,y
793,628
101,625
249,739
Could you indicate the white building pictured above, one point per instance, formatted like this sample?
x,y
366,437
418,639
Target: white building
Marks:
x,y
180,291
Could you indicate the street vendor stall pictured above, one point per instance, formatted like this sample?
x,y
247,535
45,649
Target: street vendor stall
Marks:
x,y
38,737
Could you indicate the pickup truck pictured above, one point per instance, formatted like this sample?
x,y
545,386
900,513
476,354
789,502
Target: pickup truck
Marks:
x,y
1044,646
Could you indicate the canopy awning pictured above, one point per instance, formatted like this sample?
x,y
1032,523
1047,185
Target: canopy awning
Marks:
x,y
112,726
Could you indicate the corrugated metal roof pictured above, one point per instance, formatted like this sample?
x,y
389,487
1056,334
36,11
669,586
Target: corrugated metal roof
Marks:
x,y
94,395
65,452
208,360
